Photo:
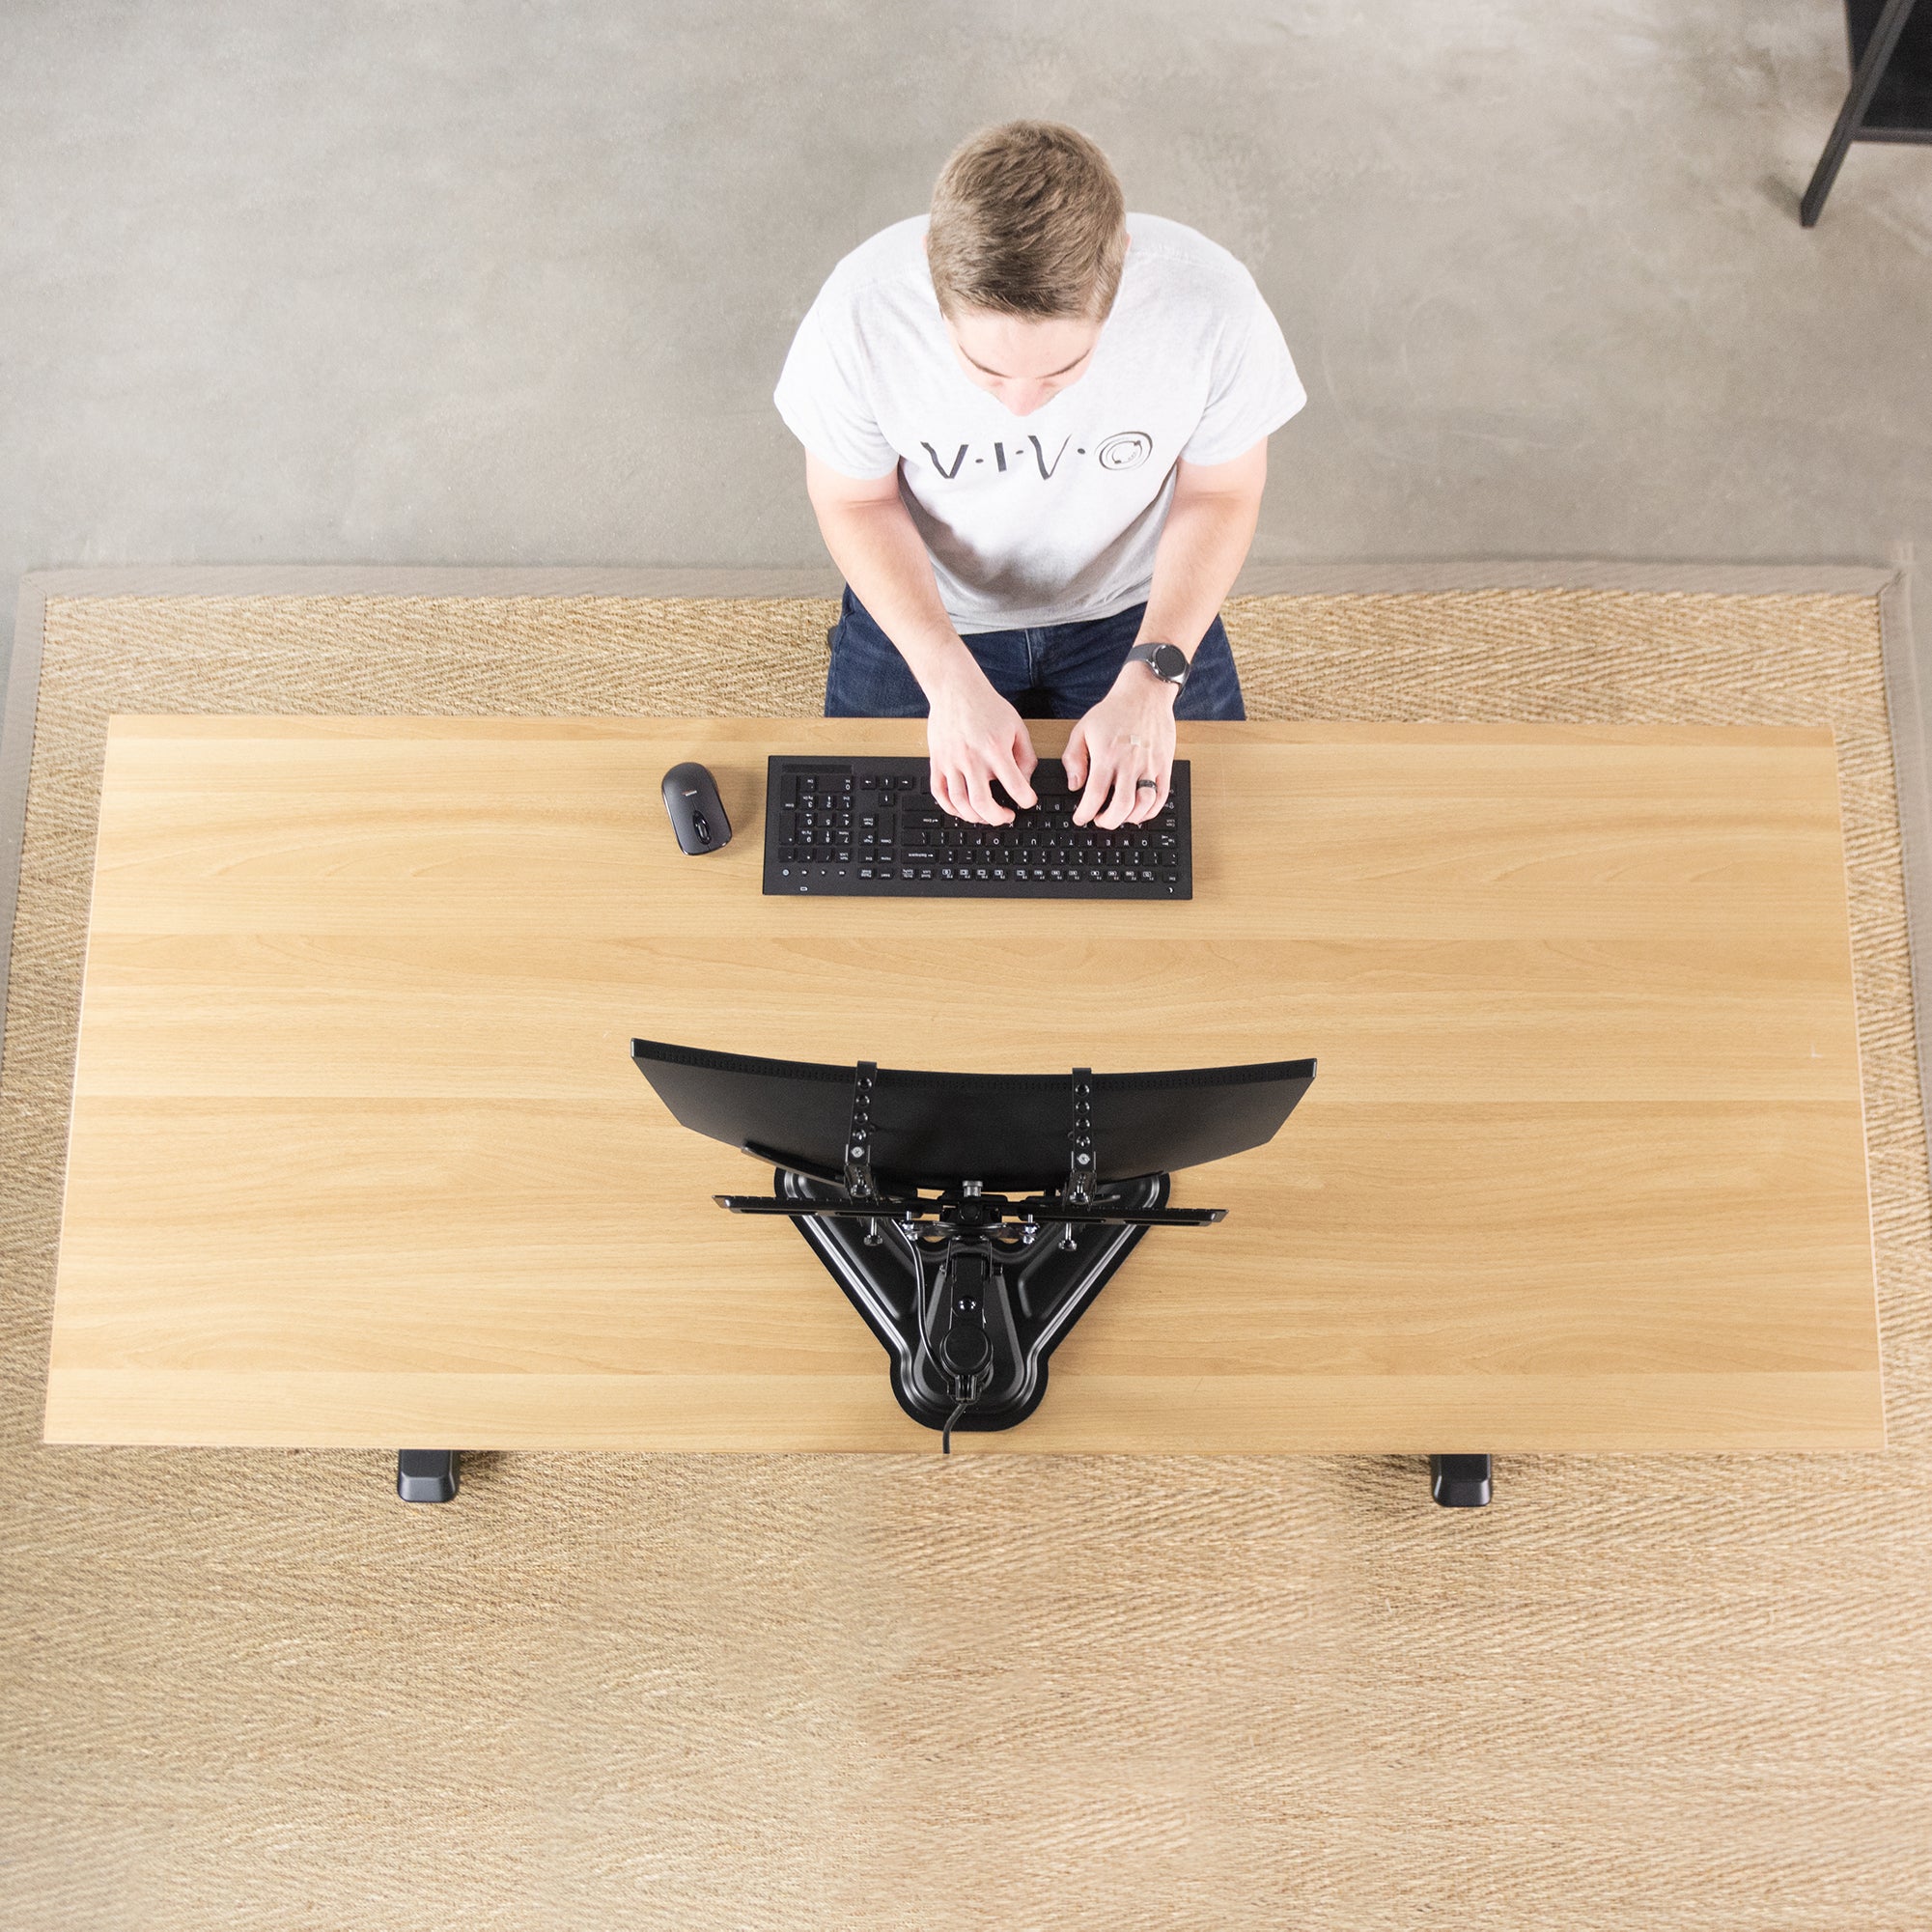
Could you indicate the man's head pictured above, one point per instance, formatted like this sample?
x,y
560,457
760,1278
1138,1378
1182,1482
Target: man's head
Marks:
x,y
1027,241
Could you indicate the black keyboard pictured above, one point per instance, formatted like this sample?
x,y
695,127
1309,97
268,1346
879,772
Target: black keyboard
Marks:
x,y
870,827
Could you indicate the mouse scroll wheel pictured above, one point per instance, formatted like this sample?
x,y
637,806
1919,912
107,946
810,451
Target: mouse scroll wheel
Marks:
x,y
700,827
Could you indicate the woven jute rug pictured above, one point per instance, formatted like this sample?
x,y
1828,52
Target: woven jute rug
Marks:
x,y
251,1690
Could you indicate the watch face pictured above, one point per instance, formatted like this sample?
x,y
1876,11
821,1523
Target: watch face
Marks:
x,y
1170,662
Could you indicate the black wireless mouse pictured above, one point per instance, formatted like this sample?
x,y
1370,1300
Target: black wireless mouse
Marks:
x,y
697,812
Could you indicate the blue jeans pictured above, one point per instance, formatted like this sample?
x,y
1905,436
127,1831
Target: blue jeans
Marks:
x,y
1059,670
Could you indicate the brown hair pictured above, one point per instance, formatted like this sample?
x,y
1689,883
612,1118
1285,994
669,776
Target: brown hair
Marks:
x,y
1028,219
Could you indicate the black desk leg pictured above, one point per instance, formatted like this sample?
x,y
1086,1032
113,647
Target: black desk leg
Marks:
x,y
1460,1482
425,1475
1850,116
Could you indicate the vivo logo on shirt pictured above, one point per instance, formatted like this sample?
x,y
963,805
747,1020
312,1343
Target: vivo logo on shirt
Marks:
x,y
1128,450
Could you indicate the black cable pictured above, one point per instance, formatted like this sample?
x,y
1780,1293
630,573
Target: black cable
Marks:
x,y
974,1390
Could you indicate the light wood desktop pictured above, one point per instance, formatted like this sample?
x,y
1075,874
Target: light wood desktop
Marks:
x,y
359,1157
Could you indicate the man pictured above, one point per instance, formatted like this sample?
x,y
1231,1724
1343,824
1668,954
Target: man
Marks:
x,y
1035,432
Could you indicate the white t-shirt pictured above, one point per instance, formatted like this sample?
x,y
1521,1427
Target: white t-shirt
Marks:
x,y
1054,516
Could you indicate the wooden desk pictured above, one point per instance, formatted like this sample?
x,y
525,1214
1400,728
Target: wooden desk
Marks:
x,y
359,1156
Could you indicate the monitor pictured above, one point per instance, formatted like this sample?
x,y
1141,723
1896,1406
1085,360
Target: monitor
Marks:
x,y
1005,1130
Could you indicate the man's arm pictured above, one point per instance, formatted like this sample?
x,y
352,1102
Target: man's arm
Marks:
x,y
1130,734
972,734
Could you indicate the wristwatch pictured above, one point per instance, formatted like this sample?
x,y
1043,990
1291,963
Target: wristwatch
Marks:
x,y
1167,662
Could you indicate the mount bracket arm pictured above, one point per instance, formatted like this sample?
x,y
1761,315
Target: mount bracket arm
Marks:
x,y
1082,1163
858,1178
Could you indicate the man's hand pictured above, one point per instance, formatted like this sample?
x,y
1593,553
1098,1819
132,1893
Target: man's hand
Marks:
x,y
974,737
1128,736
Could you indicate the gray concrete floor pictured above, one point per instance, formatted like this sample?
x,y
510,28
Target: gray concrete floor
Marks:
x,y
471,281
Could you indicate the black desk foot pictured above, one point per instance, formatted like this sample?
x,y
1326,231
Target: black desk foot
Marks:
x,y
425,1475
1867,76
1460,1482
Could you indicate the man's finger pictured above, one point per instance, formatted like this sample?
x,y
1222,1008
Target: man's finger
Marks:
x,y
946,789
1023,754
985,807
958,802
1121,803
1100,781
1148,802
1006,769
1074,759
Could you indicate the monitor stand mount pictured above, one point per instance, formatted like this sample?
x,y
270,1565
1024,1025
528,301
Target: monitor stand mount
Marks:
x,y
969,1292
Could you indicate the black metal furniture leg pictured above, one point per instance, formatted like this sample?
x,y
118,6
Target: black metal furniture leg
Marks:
x,y
425,1475
1460,1482
1850,116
